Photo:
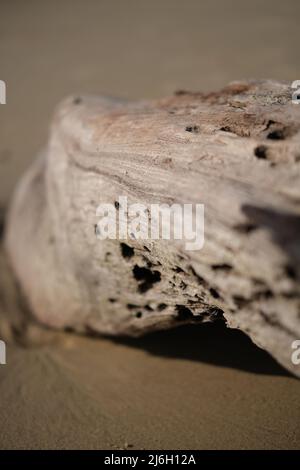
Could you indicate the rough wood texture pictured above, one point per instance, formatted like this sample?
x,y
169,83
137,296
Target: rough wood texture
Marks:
x,y
237,151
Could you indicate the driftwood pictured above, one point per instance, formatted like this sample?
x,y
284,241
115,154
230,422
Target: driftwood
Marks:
x,y
236,151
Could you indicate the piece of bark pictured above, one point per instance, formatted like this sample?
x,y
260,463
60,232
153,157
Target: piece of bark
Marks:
x,y
236,151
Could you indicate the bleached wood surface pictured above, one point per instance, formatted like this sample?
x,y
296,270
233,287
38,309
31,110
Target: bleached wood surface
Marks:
x,y
237,151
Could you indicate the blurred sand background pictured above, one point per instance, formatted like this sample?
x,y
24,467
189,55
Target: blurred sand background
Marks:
x,y
202,387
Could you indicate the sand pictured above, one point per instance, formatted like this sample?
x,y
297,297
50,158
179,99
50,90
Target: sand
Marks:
x,y
199,387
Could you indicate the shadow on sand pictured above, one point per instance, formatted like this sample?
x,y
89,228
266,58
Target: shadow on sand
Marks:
x,y
212,343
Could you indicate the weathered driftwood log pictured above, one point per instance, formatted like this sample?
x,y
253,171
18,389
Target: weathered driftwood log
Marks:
x,y
236,151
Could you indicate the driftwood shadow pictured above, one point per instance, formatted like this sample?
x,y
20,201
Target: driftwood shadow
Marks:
x,y
211,343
